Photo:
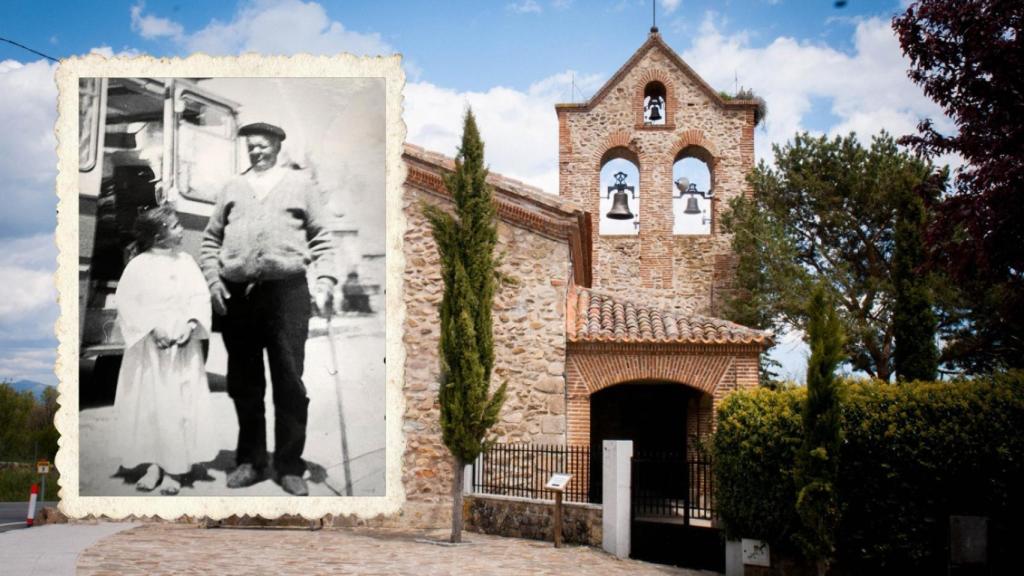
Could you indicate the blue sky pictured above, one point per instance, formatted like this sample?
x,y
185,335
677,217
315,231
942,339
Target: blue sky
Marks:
x,y
821,68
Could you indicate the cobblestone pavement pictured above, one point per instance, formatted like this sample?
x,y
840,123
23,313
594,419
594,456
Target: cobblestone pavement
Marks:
x,y
179,549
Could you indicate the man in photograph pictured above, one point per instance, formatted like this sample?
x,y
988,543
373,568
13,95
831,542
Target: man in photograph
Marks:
x,y
267,227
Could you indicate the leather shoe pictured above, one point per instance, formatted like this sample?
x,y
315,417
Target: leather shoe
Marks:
x,y
294,485
244,475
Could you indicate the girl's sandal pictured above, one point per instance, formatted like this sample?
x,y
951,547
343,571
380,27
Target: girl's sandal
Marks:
x,y
151,480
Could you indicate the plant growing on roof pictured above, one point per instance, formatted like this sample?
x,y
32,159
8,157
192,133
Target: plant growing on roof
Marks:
x,y
466,242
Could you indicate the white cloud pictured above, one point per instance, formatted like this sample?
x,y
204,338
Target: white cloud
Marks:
x,y
28,160
268,27
151,27
525,7
868,89
28,364
27,267
519,128
670,6
28,113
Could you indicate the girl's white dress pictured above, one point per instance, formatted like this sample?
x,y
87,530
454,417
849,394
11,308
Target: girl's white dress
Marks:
x,y
162,401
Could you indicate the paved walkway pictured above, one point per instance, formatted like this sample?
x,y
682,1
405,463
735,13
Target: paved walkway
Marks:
x,y
181,549
50,550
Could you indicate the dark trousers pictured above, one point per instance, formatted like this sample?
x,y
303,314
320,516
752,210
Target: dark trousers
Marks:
x,y
272,315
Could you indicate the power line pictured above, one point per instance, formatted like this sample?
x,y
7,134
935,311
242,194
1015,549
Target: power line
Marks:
x,y
22,46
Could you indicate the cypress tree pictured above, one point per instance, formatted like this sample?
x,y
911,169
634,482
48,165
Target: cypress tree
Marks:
x,y
466,242
914,323
818,460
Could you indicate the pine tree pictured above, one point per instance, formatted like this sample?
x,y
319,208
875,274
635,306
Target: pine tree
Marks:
x,y
914,322
818,461
466,243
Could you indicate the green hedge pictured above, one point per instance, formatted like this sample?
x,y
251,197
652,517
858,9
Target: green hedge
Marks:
x,y
912,455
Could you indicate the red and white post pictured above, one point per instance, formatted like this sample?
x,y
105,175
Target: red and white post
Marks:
x,y
32,505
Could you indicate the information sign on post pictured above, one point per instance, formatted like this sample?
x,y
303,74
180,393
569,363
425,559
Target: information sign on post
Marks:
x,y
557,484
43,468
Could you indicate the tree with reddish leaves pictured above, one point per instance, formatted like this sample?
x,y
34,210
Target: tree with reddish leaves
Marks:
x,y
968,56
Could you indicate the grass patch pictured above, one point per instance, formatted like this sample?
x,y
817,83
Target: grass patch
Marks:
x,y
15,483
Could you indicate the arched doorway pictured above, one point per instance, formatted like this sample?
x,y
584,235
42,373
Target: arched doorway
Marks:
x,y
657,416
671,506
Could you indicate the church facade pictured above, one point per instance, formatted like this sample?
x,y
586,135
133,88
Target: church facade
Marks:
x,y
600,332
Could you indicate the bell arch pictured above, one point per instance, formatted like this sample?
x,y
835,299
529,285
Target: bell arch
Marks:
x,y
618,190
692,192
652,84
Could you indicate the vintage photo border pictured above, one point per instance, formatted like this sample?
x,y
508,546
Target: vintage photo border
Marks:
x,y
67,418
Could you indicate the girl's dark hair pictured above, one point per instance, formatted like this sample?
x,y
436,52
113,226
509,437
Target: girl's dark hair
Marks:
x,y
151,225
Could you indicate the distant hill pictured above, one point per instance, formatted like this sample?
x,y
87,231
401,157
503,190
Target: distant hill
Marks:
x,y
36,388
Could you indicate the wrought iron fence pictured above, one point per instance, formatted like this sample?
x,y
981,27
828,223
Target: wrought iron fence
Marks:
x,y
522,470
670,486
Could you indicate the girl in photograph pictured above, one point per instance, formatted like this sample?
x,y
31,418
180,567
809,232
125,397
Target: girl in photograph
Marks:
x,y
162,399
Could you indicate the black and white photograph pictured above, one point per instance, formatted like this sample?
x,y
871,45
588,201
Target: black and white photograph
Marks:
x,y
232,277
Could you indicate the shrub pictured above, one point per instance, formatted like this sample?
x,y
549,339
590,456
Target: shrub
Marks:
x,y
912,455
755,445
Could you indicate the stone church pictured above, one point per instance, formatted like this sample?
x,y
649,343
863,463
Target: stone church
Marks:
x,y
602,332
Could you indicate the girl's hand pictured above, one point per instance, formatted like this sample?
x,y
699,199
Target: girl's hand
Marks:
x,y
183,332
163,339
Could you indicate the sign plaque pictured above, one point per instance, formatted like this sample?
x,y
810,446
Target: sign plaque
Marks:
x,y
557,482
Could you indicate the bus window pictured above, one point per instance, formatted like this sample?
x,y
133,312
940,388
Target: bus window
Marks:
x,y
206,147
88,122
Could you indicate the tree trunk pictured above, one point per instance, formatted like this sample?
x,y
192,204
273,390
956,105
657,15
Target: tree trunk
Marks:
x,y
458,467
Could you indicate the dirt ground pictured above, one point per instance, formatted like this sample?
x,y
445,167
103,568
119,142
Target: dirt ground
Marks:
x,y
359,343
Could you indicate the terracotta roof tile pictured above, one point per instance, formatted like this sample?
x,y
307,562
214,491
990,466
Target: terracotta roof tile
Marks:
x,y
601,317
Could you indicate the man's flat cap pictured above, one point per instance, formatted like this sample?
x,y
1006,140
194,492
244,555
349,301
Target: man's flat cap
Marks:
x,y
261,128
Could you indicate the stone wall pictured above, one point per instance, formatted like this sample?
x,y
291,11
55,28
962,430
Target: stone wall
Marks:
x,y
678,272
533,519
529,339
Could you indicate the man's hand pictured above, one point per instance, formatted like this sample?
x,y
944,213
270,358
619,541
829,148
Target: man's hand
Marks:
x,y
323,295
219,296
183,332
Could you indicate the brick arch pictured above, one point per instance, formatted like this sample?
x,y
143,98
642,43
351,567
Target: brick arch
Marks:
x,y
646,77
617,139
693,138
698,371
693,144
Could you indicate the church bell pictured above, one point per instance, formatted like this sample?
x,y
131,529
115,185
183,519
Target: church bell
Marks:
x,y
691,206
620,201
620,207
655,112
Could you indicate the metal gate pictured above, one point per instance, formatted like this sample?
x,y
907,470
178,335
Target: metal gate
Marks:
x,y
673,512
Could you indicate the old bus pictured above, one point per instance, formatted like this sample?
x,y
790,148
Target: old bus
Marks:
x,y
142,142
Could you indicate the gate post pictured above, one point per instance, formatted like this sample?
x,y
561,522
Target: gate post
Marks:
x,y
615,496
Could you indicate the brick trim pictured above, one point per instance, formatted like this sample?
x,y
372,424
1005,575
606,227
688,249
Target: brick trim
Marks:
x,y
695,137
653,42
700,371
715,371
